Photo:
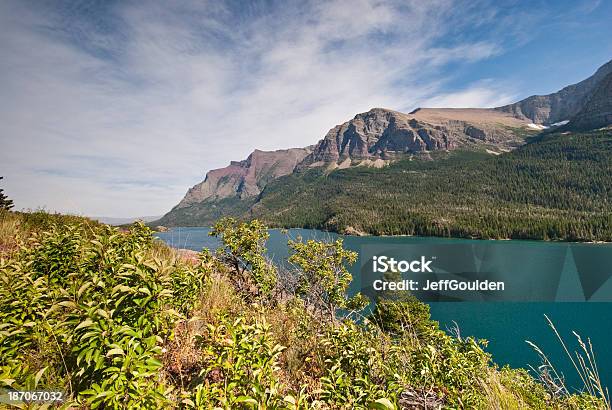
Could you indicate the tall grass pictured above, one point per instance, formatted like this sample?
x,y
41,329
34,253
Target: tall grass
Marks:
x,y
583,361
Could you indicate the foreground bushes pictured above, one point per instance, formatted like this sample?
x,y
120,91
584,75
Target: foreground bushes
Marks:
x,y
116,320
89,314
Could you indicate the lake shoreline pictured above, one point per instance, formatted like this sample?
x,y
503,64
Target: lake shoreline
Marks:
x,y
367,235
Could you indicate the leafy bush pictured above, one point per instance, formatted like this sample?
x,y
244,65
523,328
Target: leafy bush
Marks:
x,y
356,372
96,309
323,278
241,362
244,249
403,318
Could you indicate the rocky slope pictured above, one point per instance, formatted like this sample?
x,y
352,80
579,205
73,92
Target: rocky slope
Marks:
x,y
372,138
560,106
597,112
246,178
380,135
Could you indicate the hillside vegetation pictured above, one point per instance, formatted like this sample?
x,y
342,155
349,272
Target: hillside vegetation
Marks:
x,y
115,319
557,187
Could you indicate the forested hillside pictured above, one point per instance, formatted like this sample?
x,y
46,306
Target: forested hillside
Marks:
x,y
557,187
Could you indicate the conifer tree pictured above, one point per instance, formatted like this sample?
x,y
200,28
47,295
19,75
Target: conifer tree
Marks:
x,y
5,203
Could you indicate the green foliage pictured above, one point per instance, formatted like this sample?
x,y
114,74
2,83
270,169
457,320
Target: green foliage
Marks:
x,y
244,249
241,366
95,311
323,278
455,365
355,369
399,313
94,306
402,317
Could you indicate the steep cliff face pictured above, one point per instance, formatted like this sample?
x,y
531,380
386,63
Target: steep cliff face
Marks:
x,y
246,178
597,112
386,134
559,106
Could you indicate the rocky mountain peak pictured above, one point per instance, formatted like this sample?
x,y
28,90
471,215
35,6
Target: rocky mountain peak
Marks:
x,y
597,111
380,135
560,106
383,134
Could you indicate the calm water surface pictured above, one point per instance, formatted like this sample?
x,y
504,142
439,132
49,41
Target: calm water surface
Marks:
x,y
506,325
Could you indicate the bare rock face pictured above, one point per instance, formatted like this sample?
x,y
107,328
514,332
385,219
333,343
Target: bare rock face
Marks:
x,y
245,178
386,134
559,106
597,112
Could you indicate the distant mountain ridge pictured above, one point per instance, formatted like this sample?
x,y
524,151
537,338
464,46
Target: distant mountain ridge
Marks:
x,y
245,178
111,220
597,111
381,136
563,105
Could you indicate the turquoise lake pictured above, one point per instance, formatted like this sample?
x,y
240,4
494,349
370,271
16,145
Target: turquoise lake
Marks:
x,y
506,325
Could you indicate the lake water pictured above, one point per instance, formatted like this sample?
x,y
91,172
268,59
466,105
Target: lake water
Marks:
x,y
505,324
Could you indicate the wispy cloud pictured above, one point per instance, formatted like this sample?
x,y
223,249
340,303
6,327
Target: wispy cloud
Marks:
x,y
483,94
98,94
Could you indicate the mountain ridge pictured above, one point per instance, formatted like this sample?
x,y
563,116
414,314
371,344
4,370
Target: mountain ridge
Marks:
x,y
381,136
559,106
243,178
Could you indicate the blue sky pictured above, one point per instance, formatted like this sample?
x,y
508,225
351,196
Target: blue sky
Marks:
x,y
115,108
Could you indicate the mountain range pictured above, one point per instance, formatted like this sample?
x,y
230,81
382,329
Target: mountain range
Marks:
x,y
380,137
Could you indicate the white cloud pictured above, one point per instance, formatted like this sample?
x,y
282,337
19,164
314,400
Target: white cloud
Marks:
x,y
483,94
117,113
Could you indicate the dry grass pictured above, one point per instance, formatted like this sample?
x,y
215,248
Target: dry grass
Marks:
x,y
10,228
498,396
16,226
289,324
294,328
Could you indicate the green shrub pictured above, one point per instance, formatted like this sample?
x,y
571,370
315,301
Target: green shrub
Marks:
x,y
356,373
244,249
403,318
323,278
456,366
94,306
92,310
241,362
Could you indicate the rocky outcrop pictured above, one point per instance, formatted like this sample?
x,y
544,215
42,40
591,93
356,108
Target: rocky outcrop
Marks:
x,y
597,112
560,106
386,134
245,178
